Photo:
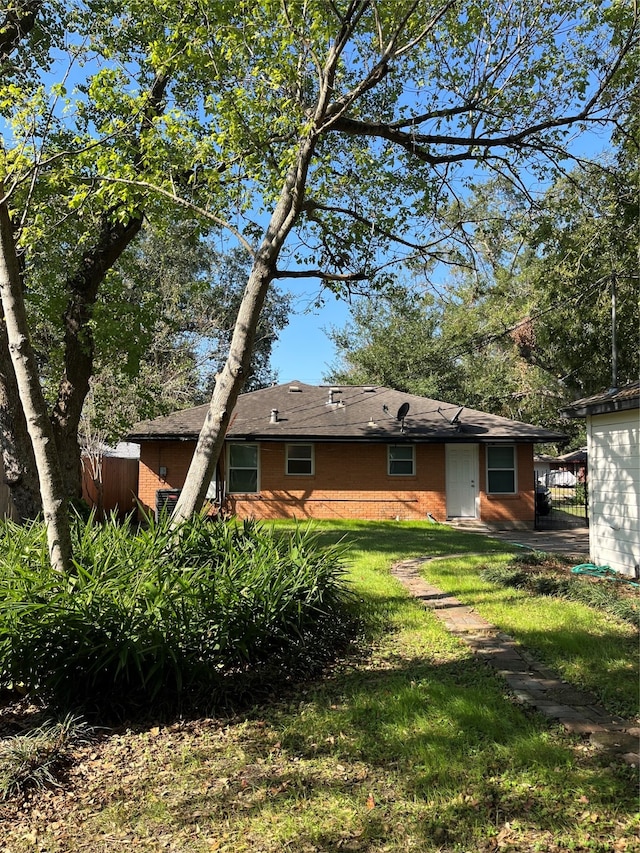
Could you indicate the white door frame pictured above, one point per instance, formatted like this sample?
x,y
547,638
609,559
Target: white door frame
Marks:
x,y
462,480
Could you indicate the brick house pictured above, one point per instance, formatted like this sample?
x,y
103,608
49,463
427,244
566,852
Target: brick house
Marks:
x,y
365,452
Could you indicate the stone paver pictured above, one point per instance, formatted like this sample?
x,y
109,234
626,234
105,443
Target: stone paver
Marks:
x,y
530,682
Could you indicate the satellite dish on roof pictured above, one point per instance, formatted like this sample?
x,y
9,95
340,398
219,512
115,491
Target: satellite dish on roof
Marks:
x,y
455,420
402,413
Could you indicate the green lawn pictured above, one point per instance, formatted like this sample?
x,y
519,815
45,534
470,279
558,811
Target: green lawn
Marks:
x,y
584,645
408,744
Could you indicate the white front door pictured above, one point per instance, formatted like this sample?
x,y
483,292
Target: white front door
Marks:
x,y
462,480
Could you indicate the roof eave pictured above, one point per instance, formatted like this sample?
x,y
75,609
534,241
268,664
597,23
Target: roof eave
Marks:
x,y
604,408
537,438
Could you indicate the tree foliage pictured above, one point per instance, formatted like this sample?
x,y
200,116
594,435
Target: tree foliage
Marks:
x,y
331,140
163,323
529,328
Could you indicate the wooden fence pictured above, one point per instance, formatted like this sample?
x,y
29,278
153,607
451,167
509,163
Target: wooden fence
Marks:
x,y
114,489
117,489
7,509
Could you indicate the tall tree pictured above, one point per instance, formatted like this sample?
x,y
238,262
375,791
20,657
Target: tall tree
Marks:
x,y
394,339
16,24
54,502
378,113
327,138
451,343
583,283
529,328
39,185
163,323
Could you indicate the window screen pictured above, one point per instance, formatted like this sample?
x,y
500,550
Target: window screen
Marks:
x,y
300,459
243,468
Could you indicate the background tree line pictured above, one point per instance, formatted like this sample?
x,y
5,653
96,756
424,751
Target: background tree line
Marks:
x,y
526,325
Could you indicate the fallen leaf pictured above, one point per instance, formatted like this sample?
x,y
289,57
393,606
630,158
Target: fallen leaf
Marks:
x,y
371,803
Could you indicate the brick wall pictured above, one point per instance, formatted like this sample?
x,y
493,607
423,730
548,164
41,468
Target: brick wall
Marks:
x,y
351,482
175,456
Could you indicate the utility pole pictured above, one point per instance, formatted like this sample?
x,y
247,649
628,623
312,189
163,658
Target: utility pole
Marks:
x,y
614,342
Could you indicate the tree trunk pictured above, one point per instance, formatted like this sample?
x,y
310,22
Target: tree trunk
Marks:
x,y
113,239
83,285
230,381
54,502
15,445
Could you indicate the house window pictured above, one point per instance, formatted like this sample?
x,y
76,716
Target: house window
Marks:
x,y
300,459
501,470
243,468
402,460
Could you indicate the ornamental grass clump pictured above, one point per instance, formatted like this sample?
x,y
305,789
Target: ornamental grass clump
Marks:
x,y
204,612
36,758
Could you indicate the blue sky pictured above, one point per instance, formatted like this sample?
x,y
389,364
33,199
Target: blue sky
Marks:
x,y
304,351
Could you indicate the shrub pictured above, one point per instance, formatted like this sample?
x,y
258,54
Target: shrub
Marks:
x,y
209,609
531,558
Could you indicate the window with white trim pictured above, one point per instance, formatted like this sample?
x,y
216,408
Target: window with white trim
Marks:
x,y
501,470
401,460
300,459
243,468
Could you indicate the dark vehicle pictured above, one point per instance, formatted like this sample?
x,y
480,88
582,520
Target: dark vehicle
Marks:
x,y
543,500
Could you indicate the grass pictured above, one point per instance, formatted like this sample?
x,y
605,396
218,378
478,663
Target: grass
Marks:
x,y
410,745
584,644
34,759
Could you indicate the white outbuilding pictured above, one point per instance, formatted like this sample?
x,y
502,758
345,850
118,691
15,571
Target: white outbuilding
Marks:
x,y
613,448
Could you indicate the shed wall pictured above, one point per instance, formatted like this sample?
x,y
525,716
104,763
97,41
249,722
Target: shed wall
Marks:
x,y
613,442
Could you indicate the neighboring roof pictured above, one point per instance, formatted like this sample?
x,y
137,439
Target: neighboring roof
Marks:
x,y
122,450
543,458
345,413
574,456
613,400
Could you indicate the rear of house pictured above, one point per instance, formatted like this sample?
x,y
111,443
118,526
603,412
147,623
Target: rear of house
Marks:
x,y
360,452
613,448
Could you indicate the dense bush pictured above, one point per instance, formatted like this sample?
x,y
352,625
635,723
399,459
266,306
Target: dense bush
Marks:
x,y
161,616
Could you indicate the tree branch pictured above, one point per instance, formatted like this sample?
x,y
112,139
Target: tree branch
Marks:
x,y
18,22
188,205
322,274
311,206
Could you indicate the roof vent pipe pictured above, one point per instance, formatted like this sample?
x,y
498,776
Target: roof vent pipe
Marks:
x,y
274,416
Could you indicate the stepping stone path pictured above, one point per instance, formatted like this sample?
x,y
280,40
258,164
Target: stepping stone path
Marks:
x,y
531,683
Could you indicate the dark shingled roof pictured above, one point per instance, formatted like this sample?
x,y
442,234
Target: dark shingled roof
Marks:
x,y
613,400
345,413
